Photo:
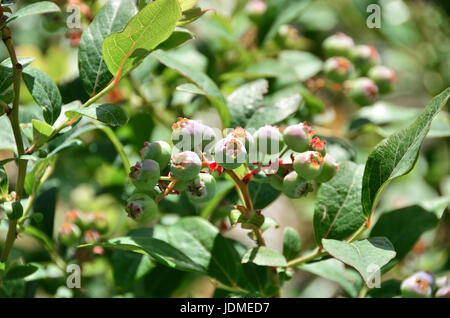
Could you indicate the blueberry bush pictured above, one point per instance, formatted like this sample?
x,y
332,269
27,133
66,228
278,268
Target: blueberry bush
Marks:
x,y
261,148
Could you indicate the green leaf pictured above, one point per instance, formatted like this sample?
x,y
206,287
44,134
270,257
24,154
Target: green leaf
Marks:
x,y
4,182
113,17
161,251
249,109
291,243
41,131
264,256
273,114
124,51
336,271
177,38
403,227
7,141
191,244
262,194
201,80
191,15
39,7
366,256
245,99
305,64
44,91
397,155
6,73
20,271
110,114
190,88
202,242
129,267
338,212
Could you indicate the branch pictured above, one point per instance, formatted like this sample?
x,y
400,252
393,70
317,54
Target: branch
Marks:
x,y
14,119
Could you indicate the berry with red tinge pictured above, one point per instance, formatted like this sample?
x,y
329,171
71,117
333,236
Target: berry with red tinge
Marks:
x,y
308,164
185,165
298,137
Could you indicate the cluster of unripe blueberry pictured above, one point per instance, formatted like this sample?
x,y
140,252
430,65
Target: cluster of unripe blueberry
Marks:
x,y
424,285
82,228
357,68
199,153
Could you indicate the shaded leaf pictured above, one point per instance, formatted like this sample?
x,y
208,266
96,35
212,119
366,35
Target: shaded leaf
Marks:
x,y
44,91
177,38
113,17
403,227
161,251
191,15
20,271
397,155
338,212
129,267
110,114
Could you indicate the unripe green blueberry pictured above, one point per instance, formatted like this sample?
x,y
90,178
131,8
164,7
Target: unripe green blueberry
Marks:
x,y
363,91
202,188
159,151
191,135
244,136
384,77
14,210
329,169
145,174
318,145
298,137
141,207
338,69
185,165
69,234
443,292
269,140
364,57
308,164
419,285
295,186
230,153
338,44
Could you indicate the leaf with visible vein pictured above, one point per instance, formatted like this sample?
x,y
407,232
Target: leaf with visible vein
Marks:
x,y
154,24
113,17
338,211
39,7
366,256
110,114
396,155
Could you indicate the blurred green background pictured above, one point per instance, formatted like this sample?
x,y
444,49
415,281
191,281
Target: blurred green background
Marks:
x,y
231,45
